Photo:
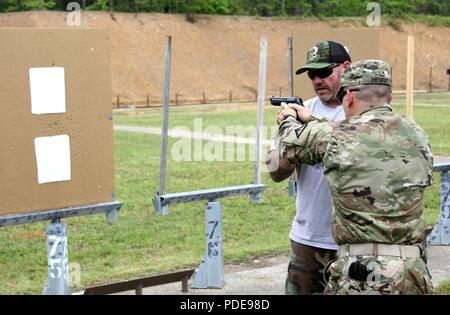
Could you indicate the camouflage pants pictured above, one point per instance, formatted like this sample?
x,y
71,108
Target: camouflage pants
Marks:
x,y
305,271
372,275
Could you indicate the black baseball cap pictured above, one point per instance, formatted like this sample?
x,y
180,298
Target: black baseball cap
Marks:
x,y
325,54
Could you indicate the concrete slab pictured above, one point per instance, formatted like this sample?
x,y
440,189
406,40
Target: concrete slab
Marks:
x,y
262,276
439,263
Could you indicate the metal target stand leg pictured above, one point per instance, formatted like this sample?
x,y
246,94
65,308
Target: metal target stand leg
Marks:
x,y
58,255
57,247
257,197
210,274
440,235
58,259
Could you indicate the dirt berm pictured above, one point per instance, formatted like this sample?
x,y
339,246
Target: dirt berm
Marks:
x,y
219,54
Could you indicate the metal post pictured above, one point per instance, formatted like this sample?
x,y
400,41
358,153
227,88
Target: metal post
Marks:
x,y
164,210
112,216
165,128
260,115
210,274
440,235
138,289
292,188
184,285
290,73
58,259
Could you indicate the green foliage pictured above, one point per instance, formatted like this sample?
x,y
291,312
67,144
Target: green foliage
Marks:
x,y
395,23
101,5
324,8
343,8
431,20
396,8
443,288
22,5
212,7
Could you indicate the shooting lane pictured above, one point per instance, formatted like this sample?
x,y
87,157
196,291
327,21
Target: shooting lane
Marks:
x,y
56,135
210,273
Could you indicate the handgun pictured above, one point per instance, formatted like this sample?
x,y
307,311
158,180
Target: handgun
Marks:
x,y
276,101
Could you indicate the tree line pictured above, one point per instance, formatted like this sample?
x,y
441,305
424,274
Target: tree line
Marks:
x,y
267,8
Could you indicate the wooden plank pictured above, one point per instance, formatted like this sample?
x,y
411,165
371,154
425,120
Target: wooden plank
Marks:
x,y
138,284
410,76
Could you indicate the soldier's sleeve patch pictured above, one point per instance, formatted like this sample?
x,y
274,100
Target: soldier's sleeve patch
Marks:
x,y
299,130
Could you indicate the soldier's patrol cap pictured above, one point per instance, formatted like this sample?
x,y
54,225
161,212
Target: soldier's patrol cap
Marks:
x,y
367,72
324,54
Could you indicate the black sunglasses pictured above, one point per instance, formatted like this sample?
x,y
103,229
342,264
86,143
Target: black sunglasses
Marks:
x,y
342,93
321,73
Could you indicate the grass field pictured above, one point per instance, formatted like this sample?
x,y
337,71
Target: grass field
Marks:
x,y
431,111
143,243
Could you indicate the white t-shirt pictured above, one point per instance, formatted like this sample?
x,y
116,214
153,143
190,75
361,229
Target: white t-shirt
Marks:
x,y
312,222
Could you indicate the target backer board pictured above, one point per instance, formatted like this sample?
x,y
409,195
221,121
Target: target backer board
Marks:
x,y
56,135
362,43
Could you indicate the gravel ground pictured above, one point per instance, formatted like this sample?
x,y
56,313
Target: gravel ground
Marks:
x,y
266,276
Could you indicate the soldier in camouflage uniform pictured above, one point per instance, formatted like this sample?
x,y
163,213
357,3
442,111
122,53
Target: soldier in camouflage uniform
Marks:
x,y
378,164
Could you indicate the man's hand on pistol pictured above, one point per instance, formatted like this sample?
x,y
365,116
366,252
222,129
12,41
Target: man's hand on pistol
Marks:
x,y
298,112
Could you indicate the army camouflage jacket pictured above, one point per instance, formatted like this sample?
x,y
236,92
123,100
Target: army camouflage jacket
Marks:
x,y
378,165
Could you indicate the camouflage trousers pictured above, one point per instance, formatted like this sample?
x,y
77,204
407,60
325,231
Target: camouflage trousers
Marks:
x,y
305,271
378,275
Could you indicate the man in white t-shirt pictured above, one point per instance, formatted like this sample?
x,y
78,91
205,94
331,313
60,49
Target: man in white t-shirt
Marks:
x,y
312,244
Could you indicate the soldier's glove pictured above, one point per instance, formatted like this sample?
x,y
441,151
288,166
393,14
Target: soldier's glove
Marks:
x,y
358,271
